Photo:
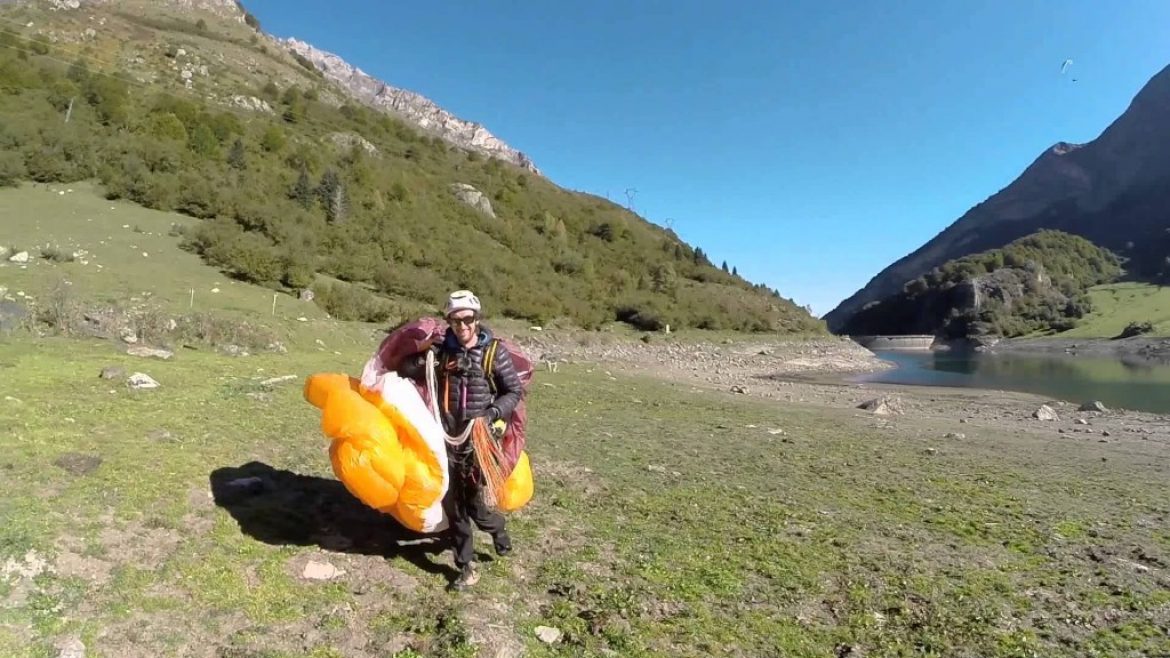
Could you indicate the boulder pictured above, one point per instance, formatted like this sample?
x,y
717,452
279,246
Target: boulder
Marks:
x,y
141,380
1045,412
883,406
473,197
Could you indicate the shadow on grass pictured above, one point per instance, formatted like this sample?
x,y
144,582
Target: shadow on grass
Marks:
x,y
284,508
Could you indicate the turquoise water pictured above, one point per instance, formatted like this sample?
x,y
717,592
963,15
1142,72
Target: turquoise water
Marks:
x,y
1117,383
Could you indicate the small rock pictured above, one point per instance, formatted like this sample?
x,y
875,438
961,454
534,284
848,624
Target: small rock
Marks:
x,y
71,648
321,571
885,406
1105,433
776,431
1045,412
129,338
548,635
150,352
655,468
278,380
1081,421
742,390
141,380
954,435
112,372
234,350
1094,405
19,257
932,451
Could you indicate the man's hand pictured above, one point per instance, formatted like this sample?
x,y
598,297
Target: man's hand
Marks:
x,y
495,423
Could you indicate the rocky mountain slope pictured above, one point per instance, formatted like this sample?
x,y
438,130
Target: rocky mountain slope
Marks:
x,y
1111,190
417,109
351,81
1037,283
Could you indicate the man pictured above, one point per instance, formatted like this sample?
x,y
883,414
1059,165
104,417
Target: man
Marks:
x,y
465,393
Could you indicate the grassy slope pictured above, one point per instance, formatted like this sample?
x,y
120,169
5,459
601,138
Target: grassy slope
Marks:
x,y
666,522
1116,305
402,195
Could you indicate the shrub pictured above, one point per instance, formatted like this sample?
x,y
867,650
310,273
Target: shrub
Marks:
x,y
346,301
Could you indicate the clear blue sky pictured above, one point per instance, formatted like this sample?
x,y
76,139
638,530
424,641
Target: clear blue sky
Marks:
x,y
810,144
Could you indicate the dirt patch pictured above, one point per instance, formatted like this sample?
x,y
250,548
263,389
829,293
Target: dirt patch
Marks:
x,y
574,477
361,573
143,547
78,463
92,569
200,499
147,635
19,573
135,545
489,628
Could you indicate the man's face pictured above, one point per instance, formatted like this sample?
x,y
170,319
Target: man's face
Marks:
x,y
464,324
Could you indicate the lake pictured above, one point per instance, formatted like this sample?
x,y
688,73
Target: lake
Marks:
x,y
1118,384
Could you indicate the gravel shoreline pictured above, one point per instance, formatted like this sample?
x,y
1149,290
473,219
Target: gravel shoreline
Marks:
x,y
1138,348
820,372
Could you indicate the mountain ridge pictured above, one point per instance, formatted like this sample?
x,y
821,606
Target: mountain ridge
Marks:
x,y
1067,186
412,106
419,109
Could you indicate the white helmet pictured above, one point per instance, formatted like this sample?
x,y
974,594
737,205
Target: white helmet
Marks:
x,y
462,300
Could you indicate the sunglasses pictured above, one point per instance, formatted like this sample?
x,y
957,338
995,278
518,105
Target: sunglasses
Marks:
x,y
465,320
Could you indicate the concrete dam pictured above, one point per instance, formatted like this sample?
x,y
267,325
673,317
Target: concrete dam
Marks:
x,y
908,342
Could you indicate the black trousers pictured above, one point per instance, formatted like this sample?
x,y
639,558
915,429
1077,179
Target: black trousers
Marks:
x,y
464,506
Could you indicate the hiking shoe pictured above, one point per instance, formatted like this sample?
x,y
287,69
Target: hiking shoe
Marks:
x,y
468,576
503,545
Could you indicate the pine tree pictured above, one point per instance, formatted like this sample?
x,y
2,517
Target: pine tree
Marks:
x,y
302,192
236,156
332,194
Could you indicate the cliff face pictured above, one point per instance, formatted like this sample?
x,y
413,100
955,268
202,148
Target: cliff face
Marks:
x,y
1103,190
413,107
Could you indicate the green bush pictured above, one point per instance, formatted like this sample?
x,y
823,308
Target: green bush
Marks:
x,y
11,168
346,301
280,206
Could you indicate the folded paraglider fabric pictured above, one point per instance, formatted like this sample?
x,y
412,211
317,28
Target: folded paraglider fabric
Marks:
x,y
386,448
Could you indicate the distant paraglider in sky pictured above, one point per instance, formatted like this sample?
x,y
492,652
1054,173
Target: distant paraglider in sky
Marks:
x,y
1064,67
